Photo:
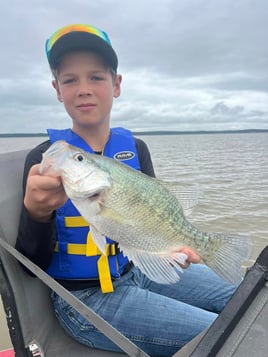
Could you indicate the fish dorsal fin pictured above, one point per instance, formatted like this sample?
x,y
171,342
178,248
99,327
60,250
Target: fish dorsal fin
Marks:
x,y
161,268
188,198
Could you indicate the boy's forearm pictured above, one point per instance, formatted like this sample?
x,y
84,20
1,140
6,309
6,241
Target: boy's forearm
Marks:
x,y
35,239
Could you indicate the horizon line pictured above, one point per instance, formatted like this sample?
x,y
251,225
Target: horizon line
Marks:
x,y
153,132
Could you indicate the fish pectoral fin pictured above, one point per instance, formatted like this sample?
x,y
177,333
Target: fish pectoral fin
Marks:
x,y
161,268
179,258
98,238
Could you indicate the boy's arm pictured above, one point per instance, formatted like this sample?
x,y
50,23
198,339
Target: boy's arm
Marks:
x,y
144,158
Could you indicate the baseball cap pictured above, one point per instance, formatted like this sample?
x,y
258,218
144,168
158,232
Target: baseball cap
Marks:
x,y
77,37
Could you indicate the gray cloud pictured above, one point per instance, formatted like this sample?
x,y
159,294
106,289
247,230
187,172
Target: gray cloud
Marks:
x,y
186,65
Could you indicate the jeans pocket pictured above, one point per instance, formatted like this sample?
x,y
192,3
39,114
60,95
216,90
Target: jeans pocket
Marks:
x,y
71,318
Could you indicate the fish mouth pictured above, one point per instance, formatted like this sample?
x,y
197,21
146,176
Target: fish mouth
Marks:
x,y
95,193
94,196
98,197
86,195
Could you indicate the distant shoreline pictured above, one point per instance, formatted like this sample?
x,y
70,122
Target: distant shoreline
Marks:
x,y
156,132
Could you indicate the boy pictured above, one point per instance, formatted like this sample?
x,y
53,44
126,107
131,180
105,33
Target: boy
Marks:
x,y
84,66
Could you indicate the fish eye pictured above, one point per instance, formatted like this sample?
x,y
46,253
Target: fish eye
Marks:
x,y
79,157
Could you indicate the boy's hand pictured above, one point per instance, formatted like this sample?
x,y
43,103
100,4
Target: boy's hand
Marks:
x,y
43,195
193,257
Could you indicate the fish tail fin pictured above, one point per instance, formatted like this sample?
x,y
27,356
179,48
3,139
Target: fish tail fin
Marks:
x,y
232,251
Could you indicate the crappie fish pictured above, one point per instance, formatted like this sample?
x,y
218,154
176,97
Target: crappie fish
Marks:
x,y
141,214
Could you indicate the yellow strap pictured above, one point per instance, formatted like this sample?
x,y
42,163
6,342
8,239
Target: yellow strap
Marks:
x,y
104,274
77,221
83,249
80,249
91,249
112,249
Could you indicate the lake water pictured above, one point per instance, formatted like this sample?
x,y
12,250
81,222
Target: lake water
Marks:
x,y
229,172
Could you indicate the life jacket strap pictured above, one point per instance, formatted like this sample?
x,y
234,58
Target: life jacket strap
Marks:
x,y
77,221
105,274
83,249
90,249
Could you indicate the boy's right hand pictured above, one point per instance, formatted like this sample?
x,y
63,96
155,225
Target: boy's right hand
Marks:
x,y
43,195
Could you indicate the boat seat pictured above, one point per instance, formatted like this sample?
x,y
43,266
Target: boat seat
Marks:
x,y
26,299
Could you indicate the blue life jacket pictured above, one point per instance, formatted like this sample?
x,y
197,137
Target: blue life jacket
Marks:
x,y
75,255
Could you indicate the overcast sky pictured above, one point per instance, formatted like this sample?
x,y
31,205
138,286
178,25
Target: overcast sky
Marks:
x,y
186,64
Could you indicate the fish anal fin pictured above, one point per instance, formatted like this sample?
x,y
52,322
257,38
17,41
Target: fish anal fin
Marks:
x,y
162,268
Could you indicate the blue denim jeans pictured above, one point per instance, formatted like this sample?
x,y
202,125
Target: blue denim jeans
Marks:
x,y
160,319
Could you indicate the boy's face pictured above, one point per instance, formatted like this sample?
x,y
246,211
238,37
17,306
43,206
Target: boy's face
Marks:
x,y
86,87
